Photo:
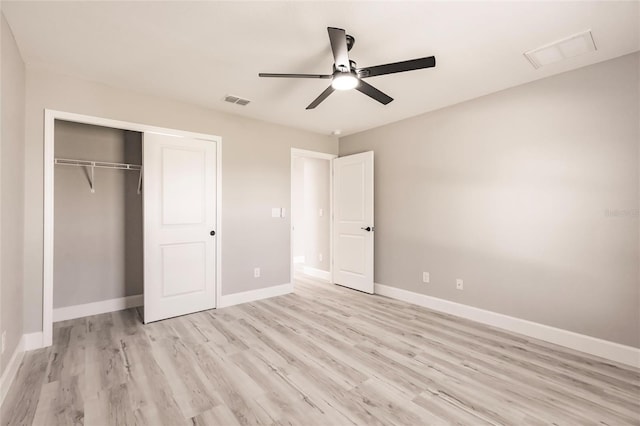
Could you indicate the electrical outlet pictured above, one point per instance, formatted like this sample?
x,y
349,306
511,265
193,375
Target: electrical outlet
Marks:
x,y
4,341
459,284
256,272
320,257
425,277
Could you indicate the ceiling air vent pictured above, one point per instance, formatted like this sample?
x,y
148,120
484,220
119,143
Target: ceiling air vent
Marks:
x,y
568,47
236,100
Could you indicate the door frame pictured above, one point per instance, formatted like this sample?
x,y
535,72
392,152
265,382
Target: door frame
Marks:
x,y
297,153
49,155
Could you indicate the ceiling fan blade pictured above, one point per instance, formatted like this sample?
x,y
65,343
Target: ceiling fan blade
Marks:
x,y
413,64
374,93
329,90
338,40
267,74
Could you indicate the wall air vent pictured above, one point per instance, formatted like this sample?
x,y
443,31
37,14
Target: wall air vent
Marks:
x,y
559,50
236,100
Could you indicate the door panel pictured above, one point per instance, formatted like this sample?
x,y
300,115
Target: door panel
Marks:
x,y
183,268
353,250
353,213
351,192
179,214
180,206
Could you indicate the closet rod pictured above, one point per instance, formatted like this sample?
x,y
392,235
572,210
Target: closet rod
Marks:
x,y
100,164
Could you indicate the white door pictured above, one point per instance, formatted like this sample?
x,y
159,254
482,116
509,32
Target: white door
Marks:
x,y
353,221
179,176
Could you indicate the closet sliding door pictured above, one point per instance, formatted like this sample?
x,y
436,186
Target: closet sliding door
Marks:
x,y
179,209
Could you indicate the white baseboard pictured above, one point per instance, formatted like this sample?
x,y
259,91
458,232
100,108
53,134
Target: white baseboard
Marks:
x,y
591,345
33,341
317,273
95,308
11,370
253,295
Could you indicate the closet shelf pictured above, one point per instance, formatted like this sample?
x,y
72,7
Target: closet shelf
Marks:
x,y
100,164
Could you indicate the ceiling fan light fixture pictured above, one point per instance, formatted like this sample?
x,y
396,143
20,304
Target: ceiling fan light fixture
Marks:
x,y
344,81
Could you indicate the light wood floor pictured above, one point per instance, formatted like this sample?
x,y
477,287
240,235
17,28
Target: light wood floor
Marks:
x,y
321,356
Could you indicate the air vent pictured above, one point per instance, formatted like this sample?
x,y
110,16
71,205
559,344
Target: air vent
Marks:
x,y
559,50
236,100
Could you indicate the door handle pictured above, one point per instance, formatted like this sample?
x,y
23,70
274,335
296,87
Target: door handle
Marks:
x,y
212,233
368,228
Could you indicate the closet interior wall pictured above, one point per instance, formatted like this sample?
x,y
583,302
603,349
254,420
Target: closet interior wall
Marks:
x,y
97,236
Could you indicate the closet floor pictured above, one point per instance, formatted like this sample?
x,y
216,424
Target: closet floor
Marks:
x,y
323,355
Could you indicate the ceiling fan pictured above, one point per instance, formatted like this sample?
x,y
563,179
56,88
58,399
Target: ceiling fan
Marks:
x,y
347,76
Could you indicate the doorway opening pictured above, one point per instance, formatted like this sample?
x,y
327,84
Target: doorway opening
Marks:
x,y
311,214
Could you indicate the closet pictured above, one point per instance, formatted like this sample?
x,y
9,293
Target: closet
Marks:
x,y
98,220
132,218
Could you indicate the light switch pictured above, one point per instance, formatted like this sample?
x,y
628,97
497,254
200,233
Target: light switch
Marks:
x,y
320,213
275,212
283,212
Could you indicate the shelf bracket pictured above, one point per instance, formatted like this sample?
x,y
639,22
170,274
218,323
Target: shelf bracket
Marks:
x,y
140,182
92,177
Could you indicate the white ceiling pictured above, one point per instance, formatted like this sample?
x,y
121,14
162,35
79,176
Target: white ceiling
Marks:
x,y
199,51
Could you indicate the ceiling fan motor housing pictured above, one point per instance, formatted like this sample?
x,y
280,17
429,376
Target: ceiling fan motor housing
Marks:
x,y
352,65
351,40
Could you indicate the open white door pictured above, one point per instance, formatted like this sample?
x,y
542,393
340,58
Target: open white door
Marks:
x,y
353,221
179,218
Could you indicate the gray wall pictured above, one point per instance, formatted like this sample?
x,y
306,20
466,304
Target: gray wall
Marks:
x,y
12,87
311,193
255,176
98,236
530,195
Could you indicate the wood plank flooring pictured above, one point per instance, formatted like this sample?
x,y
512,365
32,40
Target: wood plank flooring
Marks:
x,y
323,355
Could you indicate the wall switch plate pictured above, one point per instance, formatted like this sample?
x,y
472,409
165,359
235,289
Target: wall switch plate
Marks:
x,y
256,272
320,212
320,257
459,284
276,212
425,277
283,212
4,341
